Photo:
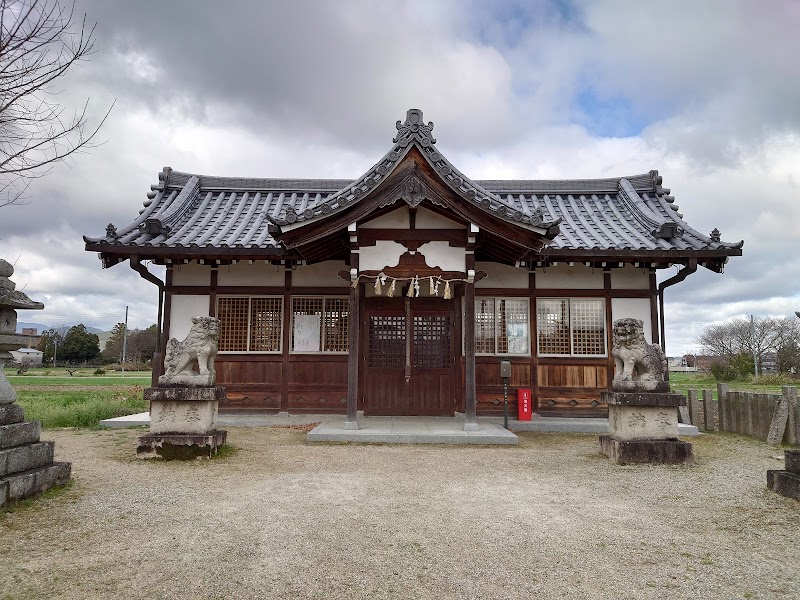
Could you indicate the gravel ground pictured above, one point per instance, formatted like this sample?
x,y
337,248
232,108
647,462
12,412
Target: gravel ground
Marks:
x,y
550,518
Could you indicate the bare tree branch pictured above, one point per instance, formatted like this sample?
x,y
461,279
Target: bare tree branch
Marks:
x,y
39,43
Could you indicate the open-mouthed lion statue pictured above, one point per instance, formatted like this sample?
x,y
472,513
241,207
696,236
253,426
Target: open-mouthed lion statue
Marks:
x,y
639,366
199,348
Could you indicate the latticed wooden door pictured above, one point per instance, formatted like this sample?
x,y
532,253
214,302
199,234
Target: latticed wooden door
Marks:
x,y
410,366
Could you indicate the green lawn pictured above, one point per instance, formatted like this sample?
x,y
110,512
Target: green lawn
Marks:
x,y
80,400
681,382
80,377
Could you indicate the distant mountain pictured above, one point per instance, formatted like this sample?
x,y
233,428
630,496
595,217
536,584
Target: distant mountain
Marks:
x,y
41,328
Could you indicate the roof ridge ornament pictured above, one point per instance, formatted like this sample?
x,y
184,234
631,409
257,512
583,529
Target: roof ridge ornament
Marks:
x,y
414,128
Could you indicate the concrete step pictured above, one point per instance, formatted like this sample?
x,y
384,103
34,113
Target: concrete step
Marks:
x,y
25,458
18,434
34,481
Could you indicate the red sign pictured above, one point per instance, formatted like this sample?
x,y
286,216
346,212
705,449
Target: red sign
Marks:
x,y
524,404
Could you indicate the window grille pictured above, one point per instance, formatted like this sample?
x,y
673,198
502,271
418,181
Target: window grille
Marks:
x,y
387,341
265,323
431,342
552,319
320,324
575,326
588,327
233,324
501,326
250,324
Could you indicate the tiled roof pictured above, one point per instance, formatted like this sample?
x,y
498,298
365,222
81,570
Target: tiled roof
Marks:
x,y
594,216
219,212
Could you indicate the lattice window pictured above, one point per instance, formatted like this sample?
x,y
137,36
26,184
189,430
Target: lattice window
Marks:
x,y
552,319
233,324
501,326
512,330
320,324
250,324
484,325
335,325
588,327
266,316
387,341
574,326
431,342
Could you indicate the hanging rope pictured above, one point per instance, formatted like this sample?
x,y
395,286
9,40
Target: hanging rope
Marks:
x,y
414,287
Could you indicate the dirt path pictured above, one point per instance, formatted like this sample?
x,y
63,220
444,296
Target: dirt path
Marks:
x,y
550,518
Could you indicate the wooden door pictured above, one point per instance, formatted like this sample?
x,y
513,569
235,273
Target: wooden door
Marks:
x,y
410,366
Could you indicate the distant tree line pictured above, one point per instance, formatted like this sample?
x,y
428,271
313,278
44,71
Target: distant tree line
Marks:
x,y
771,341
77,345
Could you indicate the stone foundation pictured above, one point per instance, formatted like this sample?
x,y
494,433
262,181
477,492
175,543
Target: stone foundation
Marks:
x,y
26,464
622,452
643,428
787,483
182,423
177,446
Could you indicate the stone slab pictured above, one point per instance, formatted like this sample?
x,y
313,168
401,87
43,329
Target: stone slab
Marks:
x,y
18,434
181,446
29,483
639,386
623,452
785,483
792,461
25,458
643,399
11,413
185,394
183,417
636,422
412,430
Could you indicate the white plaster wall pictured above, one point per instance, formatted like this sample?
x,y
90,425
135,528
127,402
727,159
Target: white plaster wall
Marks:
x,y
444,256
183,309
427,219
636,308
191,274
322,274
501,276
244,273
397,219
577,276
630,278
384,254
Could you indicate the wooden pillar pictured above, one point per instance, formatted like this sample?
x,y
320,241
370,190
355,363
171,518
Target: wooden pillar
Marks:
x,y
470,418
351,422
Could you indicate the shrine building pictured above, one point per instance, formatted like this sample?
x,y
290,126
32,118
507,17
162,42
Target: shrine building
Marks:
x,y
400,292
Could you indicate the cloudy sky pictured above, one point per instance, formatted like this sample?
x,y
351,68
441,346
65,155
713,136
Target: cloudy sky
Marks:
x,y
706,92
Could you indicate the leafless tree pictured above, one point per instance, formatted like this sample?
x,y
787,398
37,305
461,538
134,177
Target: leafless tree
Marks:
x,y
40,41
767,336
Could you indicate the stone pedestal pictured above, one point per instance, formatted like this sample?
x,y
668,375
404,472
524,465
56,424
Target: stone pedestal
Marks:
x,y
643,428
182,423
26,464
787,483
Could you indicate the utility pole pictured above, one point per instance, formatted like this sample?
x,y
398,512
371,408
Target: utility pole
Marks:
x,y
753,343
124,342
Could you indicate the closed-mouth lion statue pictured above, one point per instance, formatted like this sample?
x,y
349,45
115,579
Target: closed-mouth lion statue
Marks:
x,y
200,348
639,366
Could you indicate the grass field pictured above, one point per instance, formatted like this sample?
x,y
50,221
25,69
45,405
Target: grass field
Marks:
x,y
681,382
57,399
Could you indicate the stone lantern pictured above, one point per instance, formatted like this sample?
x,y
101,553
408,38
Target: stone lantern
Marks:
x,y
26,463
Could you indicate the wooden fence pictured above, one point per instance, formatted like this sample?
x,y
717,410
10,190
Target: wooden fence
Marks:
x,y
774,418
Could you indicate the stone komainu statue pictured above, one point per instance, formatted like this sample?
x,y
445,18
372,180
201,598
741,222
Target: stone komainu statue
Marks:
x,y
639,366
199,348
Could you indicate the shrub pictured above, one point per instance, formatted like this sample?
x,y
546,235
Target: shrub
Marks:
x,y
99,372
772,379
723,372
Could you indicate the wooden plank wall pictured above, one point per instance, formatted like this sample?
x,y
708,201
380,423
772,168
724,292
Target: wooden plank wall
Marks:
x,y
312,384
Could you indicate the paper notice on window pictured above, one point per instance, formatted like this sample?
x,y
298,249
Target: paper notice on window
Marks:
x,y
307,333
517,338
